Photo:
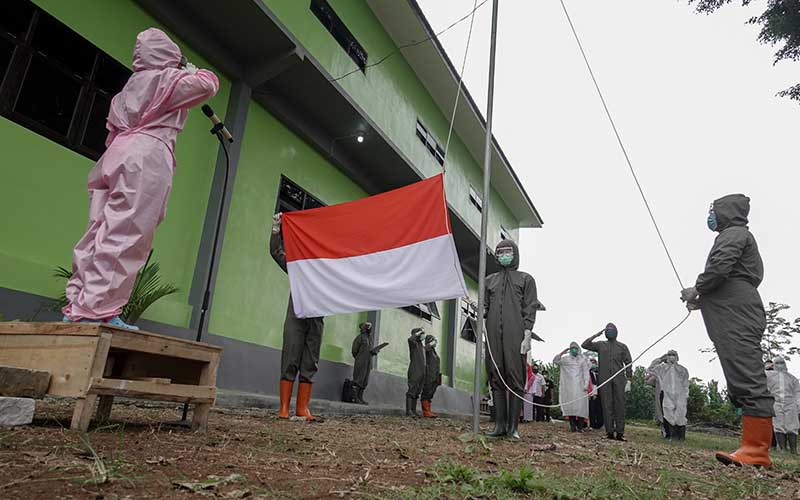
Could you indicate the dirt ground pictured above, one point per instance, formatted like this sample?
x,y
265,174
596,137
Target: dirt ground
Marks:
x,y
252,454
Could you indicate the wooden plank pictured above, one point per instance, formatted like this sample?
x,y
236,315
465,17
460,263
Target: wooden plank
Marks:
x,y
84,407
164,346
154,380
68,359
157,336
208,377
93,330
22,328
154,391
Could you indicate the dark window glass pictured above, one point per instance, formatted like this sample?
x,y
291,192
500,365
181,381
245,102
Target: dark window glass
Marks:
x,y
16,17
292,197
6,51
111,76
48,96
422,132
328,17
475,199
96,132
60,44
468,330
430,143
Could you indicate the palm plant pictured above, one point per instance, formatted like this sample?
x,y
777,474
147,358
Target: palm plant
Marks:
x,y
147,289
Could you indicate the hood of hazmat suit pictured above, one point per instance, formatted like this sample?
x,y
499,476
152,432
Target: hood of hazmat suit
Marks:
x,y
156,99
785,388
510,309
673,380
573,383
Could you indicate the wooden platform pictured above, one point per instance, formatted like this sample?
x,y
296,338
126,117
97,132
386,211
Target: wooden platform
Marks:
x,y
91,361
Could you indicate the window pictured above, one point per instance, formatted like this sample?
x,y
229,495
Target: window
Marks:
x,y
469,311
54,82
292,197
328,17
475,199
424,311
430,143
505,234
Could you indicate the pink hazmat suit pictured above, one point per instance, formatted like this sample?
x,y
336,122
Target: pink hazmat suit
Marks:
x,y
130,184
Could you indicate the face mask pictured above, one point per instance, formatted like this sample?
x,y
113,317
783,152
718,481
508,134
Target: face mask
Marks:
x,y
505,259
611,335
712,221
535,370
573,352
672,359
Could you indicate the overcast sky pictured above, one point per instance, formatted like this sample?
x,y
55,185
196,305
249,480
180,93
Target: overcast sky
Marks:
x,y
694,99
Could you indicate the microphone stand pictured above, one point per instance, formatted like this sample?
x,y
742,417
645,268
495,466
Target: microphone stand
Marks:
x,y
217,131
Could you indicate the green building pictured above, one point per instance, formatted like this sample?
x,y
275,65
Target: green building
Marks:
x,y
325,109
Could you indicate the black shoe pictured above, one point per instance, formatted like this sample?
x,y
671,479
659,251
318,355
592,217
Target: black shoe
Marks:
x,y
500,399
514,409
620,437
610,435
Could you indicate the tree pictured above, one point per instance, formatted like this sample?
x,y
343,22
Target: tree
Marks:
x,y
640,404
780,25
778,337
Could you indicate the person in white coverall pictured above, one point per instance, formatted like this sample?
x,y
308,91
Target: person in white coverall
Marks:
x,y
785,388
673,396
130,184
573,386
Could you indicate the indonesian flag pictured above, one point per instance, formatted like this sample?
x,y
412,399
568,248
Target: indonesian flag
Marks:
x,y
390,250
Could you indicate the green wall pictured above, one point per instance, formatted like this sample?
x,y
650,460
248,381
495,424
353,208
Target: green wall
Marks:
x,y
393,97
465,350
45,201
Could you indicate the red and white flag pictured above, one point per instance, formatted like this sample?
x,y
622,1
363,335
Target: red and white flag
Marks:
x,y
390,250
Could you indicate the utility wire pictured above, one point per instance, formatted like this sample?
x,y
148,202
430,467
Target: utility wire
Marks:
x,y
621,145
460,81
412,44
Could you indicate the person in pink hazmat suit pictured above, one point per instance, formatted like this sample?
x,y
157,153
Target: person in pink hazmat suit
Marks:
x,y
130,184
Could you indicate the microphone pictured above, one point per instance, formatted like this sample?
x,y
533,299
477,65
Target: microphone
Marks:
x,y
219,127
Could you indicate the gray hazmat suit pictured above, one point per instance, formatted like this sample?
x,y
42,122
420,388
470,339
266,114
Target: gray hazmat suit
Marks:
x,y
416,366
433,374
302,337
362,353
511,304
612,356
732,309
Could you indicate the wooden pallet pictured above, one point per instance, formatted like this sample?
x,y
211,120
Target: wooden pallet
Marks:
x,y
91,361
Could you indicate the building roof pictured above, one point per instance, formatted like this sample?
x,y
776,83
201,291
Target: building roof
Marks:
x,y
405,23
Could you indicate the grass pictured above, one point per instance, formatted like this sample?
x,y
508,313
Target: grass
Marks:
x,y
621,479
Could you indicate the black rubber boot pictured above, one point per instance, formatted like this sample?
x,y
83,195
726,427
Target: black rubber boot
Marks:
x,y
572,427
514,409
500,399
621,437
792,438
411,407
669,431
581,424
781,438
610,435
361,396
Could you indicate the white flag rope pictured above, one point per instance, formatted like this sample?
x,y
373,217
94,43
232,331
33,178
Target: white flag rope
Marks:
x,y
500,376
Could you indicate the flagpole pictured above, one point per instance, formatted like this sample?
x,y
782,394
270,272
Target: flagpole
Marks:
x,y
487,174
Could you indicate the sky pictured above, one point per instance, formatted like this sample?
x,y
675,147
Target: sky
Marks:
x,y
693,97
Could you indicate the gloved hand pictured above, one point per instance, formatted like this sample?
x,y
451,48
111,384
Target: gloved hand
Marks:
x,y
692,305
525,347
689,294
276,223
190,68
628,386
